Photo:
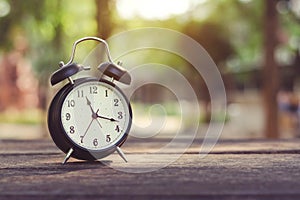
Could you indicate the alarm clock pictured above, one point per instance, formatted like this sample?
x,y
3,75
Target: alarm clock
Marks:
x,y
90,118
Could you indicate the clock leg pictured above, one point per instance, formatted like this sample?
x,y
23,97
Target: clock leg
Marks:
x,y
122,155
68,156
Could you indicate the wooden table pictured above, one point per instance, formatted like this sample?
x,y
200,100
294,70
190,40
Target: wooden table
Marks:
x,y
244,169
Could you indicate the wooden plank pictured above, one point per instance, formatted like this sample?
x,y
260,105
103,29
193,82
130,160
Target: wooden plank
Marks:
x,y
32,169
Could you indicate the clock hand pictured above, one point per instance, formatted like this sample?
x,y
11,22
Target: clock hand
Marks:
x,y
88,102
110,119
94,114
86,130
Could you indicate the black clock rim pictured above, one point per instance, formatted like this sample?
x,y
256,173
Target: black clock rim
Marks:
x,y
60,137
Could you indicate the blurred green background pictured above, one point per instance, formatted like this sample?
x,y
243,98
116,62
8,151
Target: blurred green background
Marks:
x,y
254,43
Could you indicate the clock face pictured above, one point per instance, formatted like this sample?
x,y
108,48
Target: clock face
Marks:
x,y
96,115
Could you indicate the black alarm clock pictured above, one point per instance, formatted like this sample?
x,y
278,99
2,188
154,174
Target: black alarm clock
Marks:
x,y
90,118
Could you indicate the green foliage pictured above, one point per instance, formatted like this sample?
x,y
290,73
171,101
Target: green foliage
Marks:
x,y
239,25
14,22
29,117
161,109
230,30
212,37
50,27
52,38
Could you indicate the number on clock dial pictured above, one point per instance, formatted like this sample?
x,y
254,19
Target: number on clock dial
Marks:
x,y
87,101
93,90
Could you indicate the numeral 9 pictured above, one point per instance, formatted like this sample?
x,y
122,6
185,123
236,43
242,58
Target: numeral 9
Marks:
x,y
68,116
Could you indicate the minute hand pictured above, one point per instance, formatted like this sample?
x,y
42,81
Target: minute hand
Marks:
x,y
110,119
88,102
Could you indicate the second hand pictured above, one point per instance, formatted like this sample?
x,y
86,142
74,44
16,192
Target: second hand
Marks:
x,y
86,130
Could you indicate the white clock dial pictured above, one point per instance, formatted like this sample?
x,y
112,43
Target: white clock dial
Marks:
x,y
95,115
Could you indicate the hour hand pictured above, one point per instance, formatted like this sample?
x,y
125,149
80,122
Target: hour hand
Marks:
x,y
110,119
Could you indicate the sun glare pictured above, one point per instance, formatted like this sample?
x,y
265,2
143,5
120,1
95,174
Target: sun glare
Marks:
x,y
152,9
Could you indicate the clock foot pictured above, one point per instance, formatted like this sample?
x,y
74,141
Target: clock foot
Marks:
x,y
122,155
68,156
